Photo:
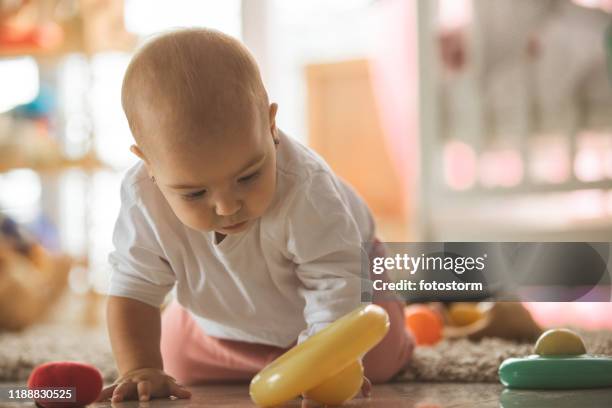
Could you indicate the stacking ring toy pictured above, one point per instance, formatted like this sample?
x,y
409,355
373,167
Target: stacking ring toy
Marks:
x,y
326,367
555,373
561,363
560,342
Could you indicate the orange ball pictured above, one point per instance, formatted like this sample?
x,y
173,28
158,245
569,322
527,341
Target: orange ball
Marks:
x,y
424,324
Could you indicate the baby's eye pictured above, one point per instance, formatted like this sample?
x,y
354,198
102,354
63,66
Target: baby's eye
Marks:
x,y
248,178
194,195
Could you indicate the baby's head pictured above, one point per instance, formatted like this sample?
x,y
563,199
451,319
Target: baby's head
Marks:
x,y
204,128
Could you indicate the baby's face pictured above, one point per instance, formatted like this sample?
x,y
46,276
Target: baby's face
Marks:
x,y
220,183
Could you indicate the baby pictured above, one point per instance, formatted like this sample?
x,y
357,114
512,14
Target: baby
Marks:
x,y
260,240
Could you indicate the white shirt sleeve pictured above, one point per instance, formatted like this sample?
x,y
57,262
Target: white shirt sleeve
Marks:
x,y
139,269
325,243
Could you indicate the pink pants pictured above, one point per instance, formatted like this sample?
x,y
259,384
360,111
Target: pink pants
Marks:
x,y
193,357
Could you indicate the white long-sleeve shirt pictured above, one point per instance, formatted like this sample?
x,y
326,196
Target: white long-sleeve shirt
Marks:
x,y
291,273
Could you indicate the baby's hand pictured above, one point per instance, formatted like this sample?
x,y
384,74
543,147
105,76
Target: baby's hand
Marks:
x,y
366,387
143,384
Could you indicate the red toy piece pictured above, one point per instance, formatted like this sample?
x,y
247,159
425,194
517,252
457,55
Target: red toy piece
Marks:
x,y
424,324
85,378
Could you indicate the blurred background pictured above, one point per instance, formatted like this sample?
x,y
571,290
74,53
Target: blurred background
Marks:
x,y
487,120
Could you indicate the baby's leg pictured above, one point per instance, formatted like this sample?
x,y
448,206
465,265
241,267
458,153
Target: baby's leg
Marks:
x,y
191,357
394,351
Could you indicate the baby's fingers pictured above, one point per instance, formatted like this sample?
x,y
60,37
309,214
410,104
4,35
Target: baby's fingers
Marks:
x,y
179,391
366,387
308,403
107,392
144,390
122,391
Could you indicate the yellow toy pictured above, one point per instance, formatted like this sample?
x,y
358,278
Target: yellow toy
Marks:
x,y
560,342
464,314
326,367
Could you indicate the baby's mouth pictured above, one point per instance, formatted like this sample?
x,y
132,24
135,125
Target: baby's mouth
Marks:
x,y
234,226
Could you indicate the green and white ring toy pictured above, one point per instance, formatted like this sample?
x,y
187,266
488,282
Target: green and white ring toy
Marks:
x,y
561,362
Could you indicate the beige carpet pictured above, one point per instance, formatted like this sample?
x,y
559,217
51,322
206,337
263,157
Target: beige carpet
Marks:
x,y
465,361
20,352
457,360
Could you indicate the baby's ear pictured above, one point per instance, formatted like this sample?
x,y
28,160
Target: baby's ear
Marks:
x,y
138,152
272,117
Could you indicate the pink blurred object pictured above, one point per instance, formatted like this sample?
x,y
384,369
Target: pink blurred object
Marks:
x,y
587,204
586,315
395,82
512,163
591,157
454,13
453,18
605,5
608,161
550,159
588,165
459,165
500,167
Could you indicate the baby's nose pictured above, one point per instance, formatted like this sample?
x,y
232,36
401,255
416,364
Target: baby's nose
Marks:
x,y
227,206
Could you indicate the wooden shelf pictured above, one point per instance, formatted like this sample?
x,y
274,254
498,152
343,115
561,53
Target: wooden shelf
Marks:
x,y
88,163
94,28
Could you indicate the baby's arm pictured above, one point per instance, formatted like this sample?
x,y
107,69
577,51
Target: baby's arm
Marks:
x,y
140,280
324,242
135,331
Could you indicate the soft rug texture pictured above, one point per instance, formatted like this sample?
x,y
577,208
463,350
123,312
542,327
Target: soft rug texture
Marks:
x,y
466,361
21,352
450,360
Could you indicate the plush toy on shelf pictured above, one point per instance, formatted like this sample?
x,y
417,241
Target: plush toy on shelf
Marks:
x,y
31,278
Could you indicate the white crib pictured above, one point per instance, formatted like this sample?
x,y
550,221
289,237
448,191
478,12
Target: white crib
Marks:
x,y
517,146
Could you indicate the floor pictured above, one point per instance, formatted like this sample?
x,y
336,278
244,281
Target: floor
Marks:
x,y
405,395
